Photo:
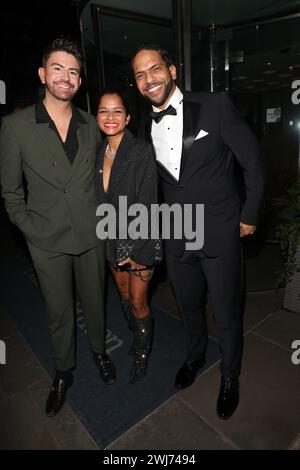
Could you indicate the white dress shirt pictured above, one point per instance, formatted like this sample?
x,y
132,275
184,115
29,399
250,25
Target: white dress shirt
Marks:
x,y
167,135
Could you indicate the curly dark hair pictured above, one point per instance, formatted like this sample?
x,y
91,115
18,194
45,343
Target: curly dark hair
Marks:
x,y
66,45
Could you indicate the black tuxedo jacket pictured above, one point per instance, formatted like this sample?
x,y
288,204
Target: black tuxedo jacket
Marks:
x,y
208,170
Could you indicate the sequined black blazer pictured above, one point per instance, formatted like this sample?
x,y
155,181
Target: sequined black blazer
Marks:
x,y
134,175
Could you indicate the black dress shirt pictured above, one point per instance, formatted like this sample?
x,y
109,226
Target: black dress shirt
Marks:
x,y
71,144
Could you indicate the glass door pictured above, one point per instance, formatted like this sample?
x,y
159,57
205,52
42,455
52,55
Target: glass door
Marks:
x,y
118,34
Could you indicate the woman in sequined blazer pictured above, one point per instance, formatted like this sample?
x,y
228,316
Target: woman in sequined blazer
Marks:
x,y
126,168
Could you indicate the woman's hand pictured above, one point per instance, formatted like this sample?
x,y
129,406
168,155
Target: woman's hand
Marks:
x,y
133,264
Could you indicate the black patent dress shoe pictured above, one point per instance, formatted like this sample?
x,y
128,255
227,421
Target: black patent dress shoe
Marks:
x,y
187,373
106,368
57,395
228,398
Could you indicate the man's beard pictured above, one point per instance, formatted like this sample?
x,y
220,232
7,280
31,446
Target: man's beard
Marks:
x,y
165,96
68,94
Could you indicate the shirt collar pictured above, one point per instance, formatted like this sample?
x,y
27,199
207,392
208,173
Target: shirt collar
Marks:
x,y
42,116
175,100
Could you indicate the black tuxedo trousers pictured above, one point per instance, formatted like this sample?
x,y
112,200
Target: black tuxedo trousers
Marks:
x,y
194,277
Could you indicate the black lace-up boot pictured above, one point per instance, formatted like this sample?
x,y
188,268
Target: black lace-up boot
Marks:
x,y
127,310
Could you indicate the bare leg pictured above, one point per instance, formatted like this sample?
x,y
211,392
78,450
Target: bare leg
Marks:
x,y
121,279
134,290
138,295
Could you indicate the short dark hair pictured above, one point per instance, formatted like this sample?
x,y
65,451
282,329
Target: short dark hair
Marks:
x,y
114,91
165,55
66,45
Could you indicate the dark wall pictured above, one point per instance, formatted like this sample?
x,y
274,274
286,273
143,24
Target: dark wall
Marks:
x,y
26,27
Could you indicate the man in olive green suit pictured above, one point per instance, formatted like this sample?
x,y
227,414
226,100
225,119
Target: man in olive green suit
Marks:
x,y
53,144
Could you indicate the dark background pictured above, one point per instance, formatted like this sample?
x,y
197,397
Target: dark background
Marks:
x,y
25,29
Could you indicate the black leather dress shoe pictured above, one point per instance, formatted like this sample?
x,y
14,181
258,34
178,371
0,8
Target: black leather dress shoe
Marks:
x,y
228,398
57,395
106,368
187,373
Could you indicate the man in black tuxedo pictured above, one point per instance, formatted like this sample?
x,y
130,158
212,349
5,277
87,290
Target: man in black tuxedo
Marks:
x,y
198,137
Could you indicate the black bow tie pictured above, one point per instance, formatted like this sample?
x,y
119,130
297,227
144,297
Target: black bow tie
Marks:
x,y
158,116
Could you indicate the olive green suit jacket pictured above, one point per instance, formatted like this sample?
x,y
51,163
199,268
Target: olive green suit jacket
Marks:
x,y
57,212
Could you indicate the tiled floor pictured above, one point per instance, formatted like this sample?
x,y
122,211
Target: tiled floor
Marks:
x,y
24,386
268,416
173,426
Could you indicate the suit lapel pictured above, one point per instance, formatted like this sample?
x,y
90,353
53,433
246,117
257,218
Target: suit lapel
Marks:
x,y
121,162
148,126
55,151
190,120
191,112
99,169
83,140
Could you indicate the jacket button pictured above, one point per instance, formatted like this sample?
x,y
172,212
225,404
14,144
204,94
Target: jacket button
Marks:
x,y
66,191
